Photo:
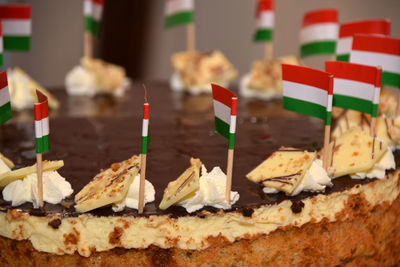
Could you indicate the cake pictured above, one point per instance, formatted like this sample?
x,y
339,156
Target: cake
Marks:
x,y
352,222
265,78
23,90
196,70
94,76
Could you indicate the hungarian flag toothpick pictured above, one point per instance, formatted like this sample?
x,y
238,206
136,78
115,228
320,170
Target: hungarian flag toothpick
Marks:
x,y
92,12
347,30
309,91
145,141
5,105
42,138
356,87
225,103
1,44
379,51
180,12
16,26
318,32
265,25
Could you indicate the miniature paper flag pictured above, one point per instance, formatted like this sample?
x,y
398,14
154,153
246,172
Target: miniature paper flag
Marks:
x,y
318,32
42,123
16,26
5,105
225,103
307,91
347,30
378,51
93,10
145,128
1,44
178,12
265,21
355,86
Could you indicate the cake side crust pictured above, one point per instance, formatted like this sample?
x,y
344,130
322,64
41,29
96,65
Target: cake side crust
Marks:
x,y
361,235
87,234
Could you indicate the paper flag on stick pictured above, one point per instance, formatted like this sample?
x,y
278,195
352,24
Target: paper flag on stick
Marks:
x,y
93,11
178,12
42,130
355,86
265,21
16,26
5,105
378,51
348,30
318,32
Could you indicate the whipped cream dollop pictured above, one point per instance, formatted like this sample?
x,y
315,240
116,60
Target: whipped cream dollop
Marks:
x,y
379,169
132,198
80,82
315,179
177,85
55,189
211,192
246,91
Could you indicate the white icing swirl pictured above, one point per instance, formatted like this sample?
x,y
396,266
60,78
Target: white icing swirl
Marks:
x,y
132,198
211,192
55,189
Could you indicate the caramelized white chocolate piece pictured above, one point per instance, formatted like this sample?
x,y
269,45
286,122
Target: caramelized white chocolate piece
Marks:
x,y
11,176
109,186
354,151
283,170
185,185
7,161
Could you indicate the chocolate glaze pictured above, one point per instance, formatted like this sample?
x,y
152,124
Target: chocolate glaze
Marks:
x,y
90,134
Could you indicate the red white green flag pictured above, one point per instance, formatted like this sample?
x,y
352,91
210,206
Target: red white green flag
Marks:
x,y
265,21
355,86
318,32
5,105
16,26
145,128
347,30
42,123
378,51
1,44
307,91
225,103
178,12
93,11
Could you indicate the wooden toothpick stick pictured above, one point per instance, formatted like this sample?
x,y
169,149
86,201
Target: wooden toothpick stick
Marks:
x,y
39,167
87,45
143,156
190,37
269,51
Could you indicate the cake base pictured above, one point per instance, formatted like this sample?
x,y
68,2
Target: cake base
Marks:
x,y
368,236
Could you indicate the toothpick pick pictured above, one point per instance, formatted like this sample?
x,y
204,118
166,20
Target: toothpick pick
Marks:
x,y
269,51
190,37
39,167
88,45
143,159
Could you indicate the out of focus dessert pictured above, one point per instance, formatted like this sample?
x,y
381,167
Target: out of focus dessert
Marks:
x,y
95,76
265,78
23,90
195,71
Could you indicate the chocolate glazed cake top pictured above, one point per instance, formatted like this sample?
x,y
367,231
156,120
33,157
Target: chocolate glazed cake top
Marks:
x,y
90,134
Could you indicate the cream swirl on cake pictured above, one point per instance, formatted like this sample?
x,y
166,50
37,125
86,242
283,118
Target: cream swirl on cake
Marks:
x,y
132,197
211,192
